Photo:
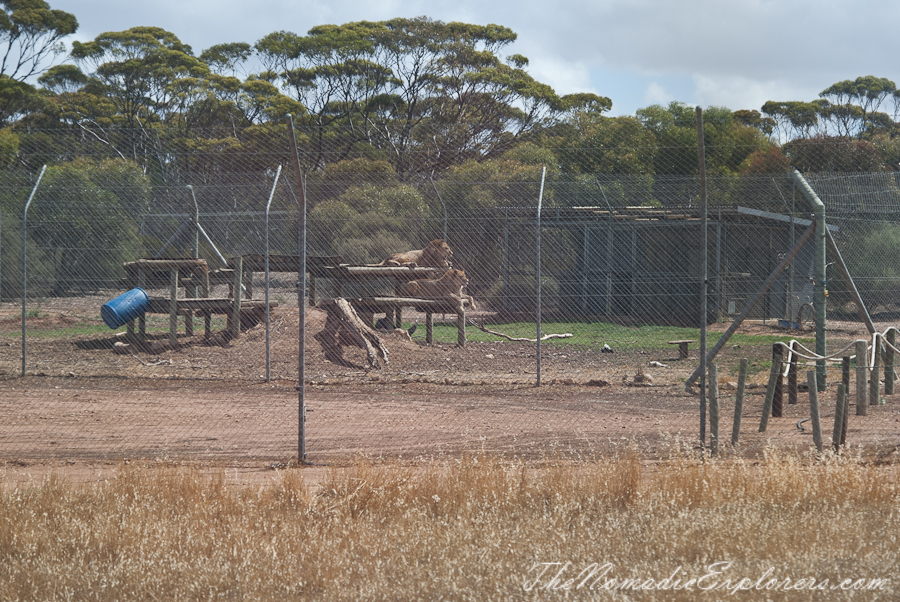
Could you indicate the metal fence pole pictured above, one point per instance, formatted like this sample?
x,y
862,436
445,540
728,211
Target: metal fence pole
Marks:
x,y
24,263
301,296
268,332
538,274
701,164
443,206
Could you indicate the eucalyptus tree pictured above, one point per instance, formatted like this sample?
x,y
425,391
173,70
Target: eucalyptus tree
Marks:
x,y
31,35
429,94
139,70
796,119
853,104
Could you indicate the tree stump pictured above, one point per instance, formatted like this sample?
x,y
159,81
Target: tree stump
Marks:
x,y
344,327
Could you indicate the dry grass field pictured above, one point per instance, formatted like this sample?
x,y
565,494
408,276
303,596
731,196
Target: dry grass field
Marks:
x,y
474,527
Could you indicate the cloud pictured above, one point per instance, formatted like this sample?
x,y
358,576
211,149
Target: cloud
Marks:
x,y
656,94
564,77
738,92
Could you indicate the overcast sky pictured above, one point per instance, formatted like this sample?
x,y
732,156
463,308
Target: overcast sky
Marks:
x,y
732,53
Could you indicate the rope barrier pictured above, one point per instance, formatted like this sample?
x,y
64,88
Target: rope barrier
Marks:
x,y
879,339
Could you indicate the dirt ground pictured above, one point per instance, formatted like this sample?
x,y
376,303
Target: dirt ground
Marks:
x,y
83,408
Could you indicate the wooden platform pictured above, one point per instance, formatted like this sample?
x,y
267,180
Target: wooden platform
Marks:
x,y
392,306
237,308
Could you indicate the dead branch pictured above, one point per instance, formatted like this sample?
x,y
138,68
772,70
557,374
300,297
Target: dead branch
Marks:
x,y
481,327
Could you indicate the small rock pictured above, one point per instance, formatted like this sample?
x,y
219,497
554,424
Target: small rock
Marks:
x,y
606,349
121,348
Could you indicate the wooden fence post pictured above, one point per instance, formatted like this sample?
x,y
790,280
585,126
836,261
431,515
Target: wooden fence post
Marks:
x,y
814,410
713,409
838,419
793,388
889,362
739,402
862,378
875,375
770,394
778,393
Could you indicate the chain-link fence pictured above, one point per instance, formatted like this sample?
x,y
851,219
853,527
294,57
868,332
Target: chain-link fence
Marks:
x,y
596,296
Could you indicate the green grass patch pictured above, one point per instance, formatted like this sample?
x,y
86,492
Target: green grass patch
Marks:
x,y
593,335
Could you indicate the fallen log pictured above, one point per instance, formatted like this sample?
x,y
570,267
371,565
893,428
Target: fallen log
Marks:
x,y
343,326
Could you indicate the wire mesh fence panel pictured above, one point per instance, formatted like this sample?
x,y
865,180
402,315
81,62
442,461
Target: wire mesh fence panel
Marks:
x,y
420,287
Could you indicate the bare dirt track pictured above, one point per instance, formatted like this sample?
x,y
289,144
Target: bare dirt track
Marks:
x,y
84,408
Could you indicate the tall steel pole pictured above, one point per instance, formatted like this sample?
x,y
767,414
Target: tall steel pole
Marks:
x,y
24,265
538,275
701,162
268,335
301,294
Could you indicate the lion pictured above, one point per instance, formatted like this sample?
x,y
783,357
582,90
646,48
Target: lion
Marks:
x,y
436,255
448,286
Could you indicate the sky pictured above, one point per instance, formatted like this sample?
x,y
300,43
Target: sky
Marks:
x,y
729,53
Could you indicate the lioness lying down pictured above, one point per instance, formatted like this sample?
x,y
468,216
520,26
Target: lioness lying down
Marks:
x,y
448,286
436,255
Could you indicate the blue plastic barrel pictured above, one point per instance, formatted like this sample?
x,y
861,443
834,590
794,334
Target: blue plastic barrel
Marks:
x,y
125,308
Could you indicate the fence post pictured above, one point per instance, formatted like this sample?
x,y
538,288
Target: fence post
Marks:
x,y
537,272
862,379
778,393
701,170
845,372
739,402
838,418
889,361
875,376
814,410
713,410
770,394
24,267
268,283
793,388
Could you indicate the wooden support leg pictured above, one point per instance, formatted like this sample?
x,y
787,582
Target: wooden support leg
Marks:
x,y
142,319
207,316
429,327
192,292
248,284
236,309
461,327
173,309
398,318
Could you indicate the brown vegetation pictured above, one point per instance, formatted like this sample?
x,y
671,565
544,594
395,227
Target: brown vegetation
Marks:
x,y
470,528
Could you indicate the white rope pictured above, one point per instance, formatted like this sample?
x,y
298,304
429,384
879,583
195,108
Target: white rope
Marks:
x,y
879,340
813,356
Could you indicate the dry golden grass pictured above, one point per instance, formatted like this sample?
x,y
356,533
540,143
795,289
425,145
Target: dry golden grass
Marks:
x,y
471,528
